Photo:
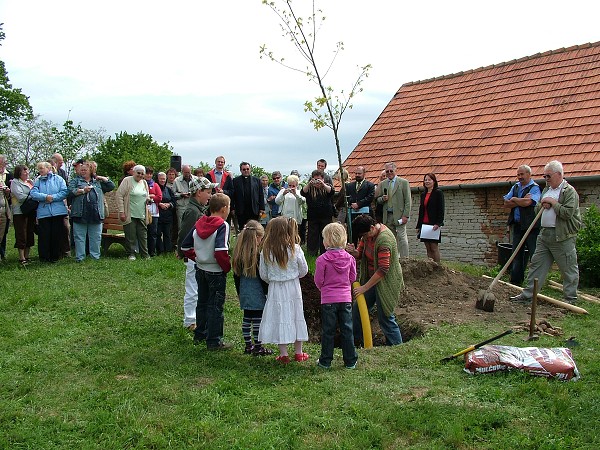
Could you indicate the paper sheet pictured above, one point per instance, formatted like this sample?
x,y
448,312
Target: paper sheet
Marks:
x,y
428,233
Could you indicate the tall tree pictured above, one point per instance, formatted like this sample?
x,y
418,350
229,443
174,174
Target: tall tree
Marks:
x,y
34,139
74,142
140,147
28,141
14,105
327,108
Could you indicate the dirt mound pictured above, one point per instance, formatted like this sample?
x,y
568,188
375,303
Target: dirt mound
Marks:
x,y
434,295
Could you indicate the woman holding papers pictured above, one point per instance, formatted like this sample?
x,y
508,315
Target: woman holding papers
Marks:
x,y
431,216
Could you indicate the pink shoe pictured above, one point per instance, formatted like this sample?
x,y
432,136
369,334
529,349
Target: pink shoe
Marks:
x,y
283,359
301,357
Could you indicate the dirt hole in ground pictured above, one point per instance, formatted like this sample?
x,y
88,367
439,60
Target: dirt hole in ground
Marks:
x,y
434,295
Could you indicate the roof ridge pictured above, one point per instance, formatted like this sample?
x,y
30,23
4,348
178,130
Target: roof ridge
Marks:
x,y
506,63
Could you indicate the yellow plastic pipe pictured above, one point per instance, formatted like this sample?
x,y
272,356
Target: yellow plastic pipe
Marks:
x,y
364,317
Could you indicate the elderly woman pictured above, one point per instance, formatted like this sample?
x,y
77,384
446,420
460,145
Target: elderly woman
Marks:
x,y
290,201
166,213
50,191
133,196
380,275
24,223
87,209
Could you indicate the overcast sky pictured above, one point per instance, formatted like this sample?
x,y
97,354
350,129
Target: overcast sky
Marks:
x,y
189,73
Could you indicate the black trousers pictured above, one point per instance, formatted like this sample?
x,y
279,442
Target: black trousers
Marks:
x,y
314,241
51,231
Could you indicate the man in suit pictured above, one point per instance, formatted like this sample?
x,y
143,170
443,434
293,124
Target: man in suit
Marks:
x,y
394,194
247,201
360,194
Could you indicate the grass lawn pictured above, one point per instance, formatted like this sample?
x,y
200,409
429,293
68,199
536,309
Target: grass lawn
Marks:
x,y
94,355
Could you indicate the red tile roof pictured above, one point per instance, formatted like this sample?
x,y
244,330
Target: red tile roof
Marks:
x,y
478,126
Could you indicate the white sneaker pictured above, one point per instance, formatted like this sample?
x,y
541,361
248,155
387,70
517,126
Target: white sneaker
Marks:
x,y
131,258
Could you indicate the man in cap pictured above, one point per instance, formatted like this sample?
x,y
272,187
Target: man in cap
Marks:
x,y
200,190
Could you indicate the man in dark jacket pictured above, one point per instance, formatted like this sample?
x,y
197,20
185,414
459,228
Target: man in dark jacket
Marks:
x,y
200,190
248,198
318,196
360,194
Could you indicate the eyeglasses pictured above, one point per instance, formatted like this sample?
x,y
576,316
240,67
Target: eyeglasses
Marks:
x,y
389,171
140,173
547,177
277,178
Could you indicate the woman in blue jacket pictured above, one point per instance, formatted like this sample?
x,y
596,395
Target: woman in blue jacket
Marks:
x,y
50,190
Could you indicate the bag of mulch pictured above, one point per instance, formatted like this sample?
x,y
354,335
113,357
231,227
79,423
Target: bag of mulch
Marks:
x,y
543,362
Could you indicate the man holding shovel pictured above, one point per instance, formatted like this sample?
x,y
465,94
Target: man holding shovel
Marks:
x,y
522,199
561,220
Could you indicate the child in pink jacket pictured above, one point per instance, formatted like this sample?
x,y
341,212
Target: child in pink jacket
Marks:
x,y
334,274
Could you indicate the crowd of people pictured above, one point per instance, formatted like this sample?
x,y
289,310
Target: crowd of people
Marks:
x,y
272,220
192,213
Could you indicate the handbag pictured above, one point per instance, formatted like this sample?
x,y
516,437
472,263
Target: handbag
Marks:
x,y
148,216
29,205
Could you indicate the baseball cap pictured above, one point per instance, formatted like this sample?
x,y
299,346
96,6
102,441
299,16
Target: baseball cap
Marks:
x,y
201,183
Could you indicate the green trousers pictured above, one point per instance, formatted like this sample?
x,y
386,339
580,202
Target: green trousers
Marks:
x,y
547,251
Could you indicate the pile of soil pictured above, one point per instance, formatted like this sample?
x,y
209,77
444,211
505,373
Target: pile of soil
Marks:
x,y
434,295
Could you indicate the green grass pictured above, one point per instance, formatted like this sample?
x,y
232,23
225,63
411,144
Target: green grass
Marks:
x,y
94,355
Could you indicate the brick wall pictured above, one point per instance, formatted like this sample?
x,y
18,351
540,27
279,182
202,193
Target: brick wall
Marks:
x,y
475,221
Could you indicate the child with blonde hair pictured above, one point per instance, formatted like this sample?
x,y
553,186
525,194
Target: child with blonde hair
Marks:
x,y
335,272
250,288
282,264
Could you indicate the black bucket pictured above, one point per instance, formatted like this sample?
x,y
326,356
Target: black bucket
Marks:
x,y
504,252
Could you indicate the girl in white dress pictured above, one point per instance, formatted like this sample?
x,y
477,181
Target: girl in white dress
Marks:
x,y
282,264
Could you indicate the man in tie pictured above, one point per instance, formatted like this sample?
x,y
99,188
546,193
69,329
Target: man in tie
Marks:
x,y
394,194
360,194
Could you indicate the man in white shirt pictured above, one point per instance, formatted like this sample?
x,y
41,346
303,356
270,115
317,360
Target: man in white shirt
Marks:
x,y
561,220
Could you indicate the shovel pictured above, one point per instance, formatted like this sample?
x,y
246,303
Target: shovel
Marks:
x,y
487,298
474,347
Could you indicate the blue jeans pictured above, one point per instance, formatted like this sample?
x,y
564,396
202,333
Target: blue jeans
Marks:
x,y
94,232
209,309
517,271
332,315
388,324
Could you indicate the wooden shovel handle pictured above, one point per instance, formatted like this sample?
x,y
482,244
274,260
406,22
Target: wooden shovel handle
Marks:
x,y
516,250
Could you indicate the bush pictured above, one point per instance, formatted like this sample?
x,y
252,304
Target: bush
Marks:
x,y
588,248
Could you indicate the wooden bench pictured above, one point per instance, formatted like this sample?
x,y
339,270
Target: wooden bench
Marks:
x,y
109,237
112,230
